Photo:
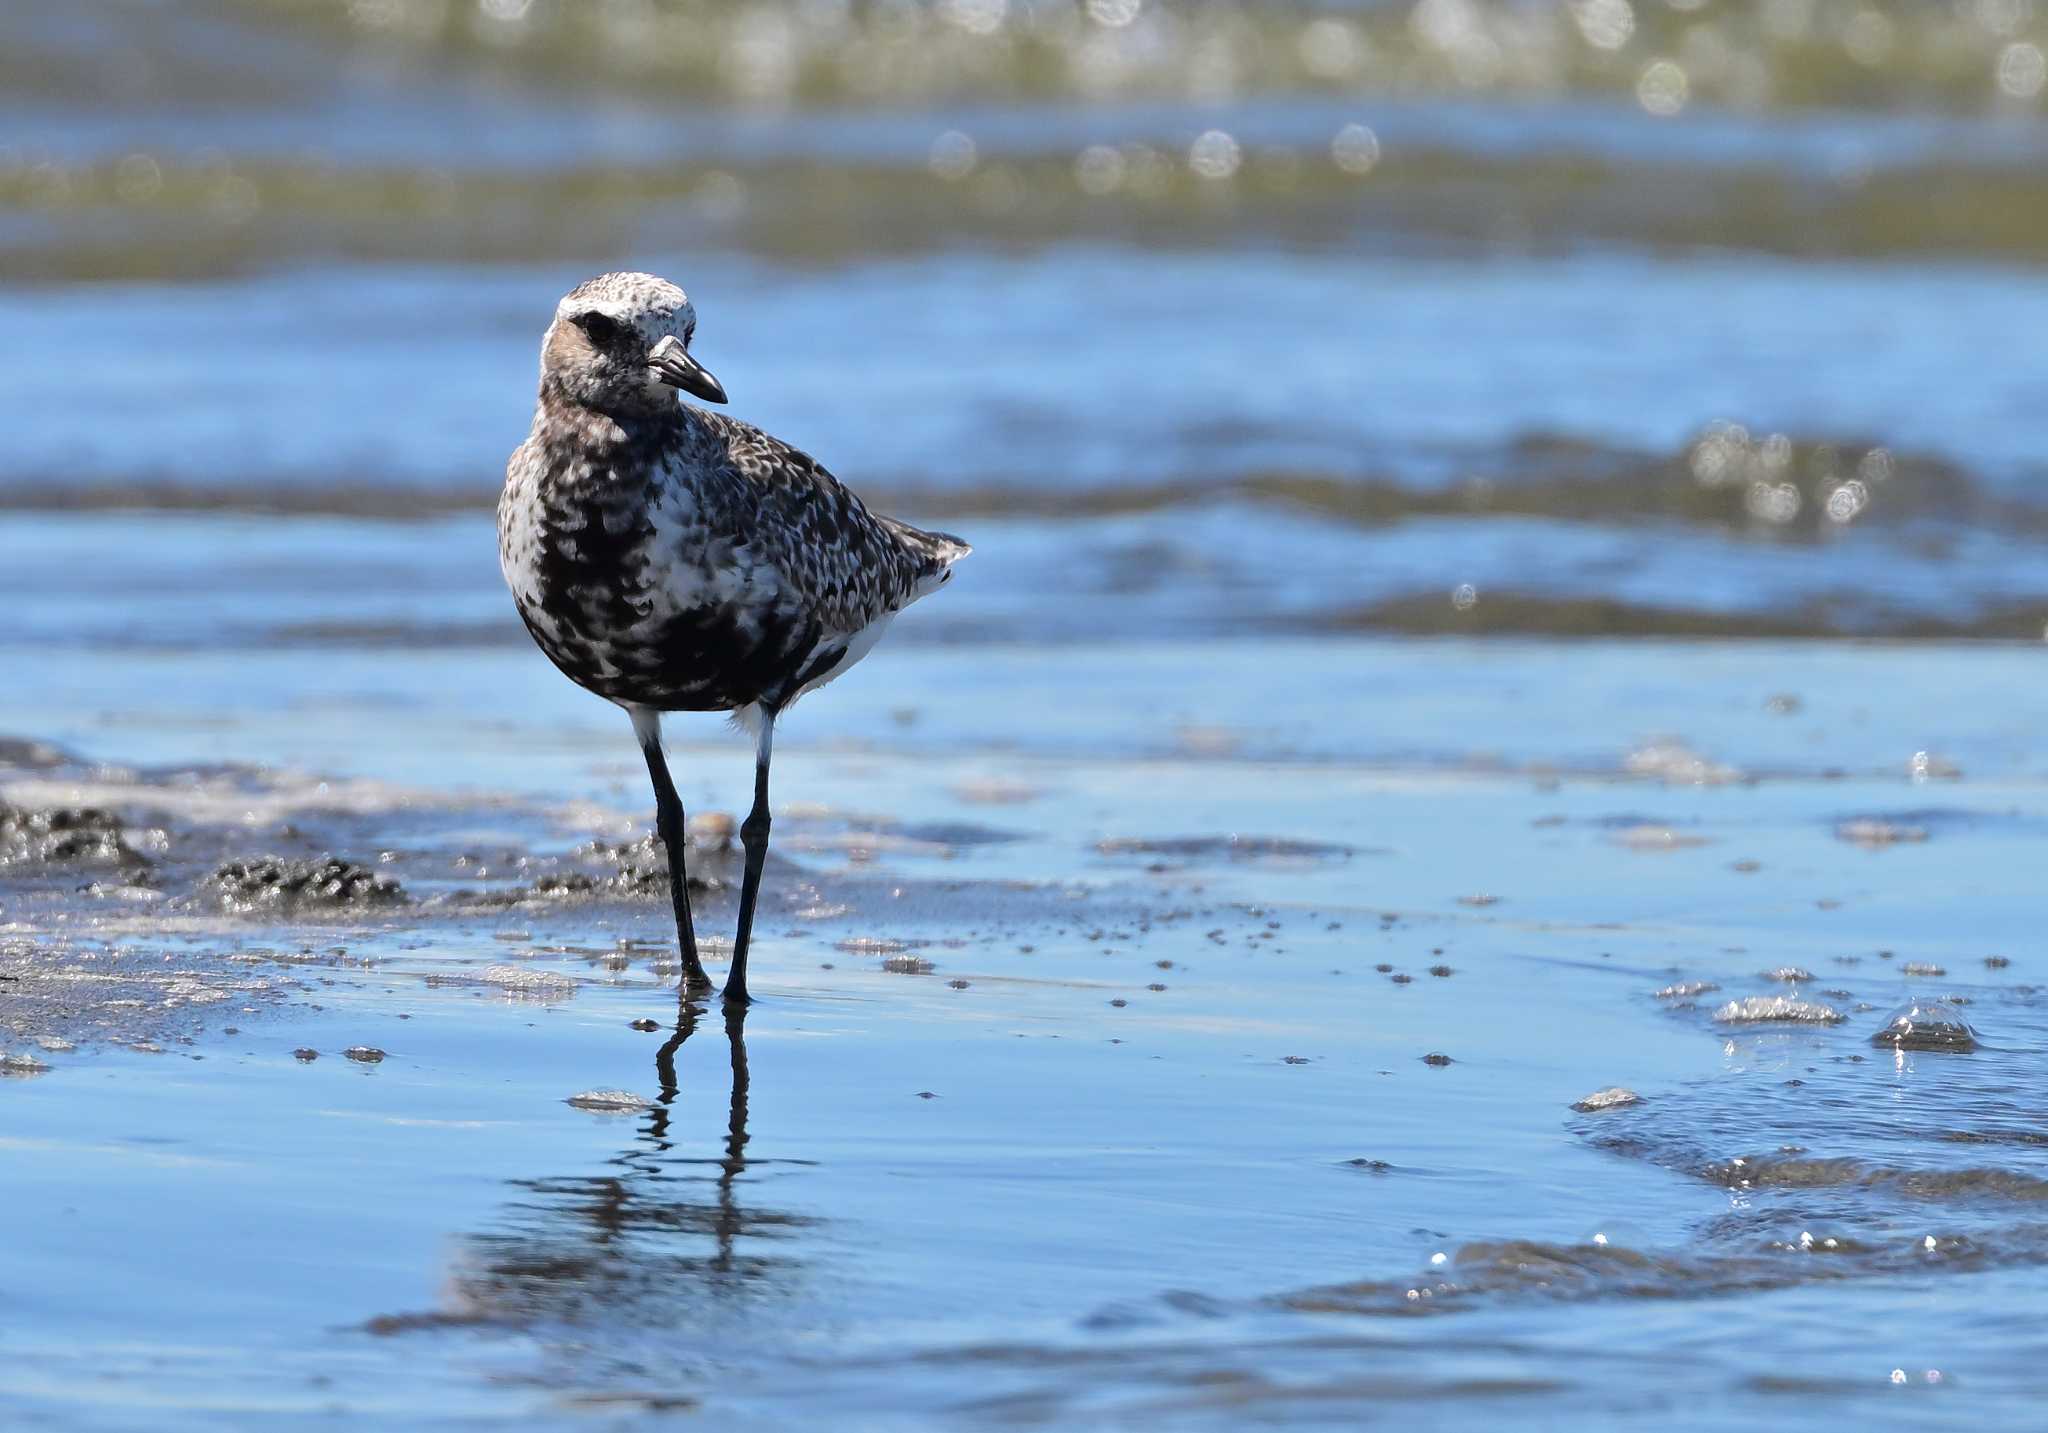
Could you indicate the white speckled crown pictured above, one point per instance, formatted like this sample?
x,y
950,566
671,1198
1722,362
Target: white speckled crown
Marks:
x,y
652,305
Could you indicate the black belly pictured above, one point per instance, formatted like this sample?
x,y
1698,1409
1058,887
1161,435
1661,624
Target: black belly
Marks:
x,y
602,616
703,661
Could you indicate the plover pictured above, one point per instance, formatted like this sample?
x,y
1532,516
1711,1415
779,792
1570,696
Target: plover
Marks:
x,y
673,559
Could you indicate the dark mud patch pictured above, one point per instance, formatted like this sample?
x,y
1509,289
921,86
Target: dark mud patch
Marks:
x,y
865,837
1189,850
1877,830
1525,1270
25,753
955,833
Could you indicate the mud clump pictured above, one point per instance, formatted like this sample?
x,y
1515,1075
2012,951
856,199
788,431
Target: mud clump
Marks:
x,y
1926,1025
608,1102
632,869
68,836
534,984
1873,832
364,1054
272,884
1763,1009
1687,990
1612,1098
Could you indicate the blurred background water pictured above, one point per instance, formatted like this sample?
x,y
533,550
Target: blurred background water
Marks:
x,y
1672,316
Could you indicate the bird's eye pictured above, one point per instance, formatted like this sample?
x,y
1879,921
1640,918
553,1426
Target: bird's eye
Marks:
x,y
601,327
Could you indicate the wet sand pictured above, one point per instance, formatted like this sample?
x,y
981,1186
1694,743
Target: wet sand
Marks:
x,y
1106,1074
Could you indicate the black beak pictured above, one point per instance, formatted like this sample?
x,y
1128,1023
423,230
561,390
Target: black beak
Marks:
x,y
672,363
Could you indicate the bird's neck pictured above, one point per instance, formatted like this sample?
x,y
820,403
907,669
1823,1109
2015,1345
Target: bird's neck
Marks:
x,y
572,418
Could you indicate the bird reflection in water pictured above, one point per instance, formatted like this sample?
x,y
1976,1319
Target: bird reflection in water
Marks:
x,y
644,1243
656,1133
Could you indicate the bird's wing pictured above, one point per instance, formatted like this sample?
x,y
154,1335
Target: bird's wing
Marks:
x,y
848,567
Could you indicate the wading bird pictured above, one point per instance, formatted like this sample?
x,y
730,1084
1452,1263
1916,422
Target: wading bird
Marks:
x,y
672,559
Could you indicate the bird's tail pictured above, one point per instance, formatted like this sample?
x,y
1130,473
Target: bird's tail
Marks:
x,y
934,552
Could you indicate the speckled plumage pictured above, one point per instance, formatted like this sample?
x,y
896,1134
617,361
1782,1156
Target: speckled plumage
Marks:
x,y
675,559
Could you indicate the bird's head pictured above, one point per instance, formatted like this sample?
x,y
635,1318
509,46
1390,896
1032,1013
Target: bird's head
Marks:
x,y
620,341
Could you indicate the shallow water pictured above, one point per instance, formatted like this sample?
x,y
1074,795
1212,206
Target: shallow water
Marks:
x,y
1100,1215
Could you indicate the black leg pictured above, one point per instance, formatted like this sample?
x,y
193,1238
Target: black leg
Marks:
x,y
668,824
753,836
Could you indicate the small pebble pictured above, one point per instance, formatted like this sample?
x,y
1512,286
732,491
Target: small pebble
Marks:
x,y
1687,989
1921,967
1876,831
1439,1060
1441,972
607,1102
305,1055
1614,1097
645,1025
364,1054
